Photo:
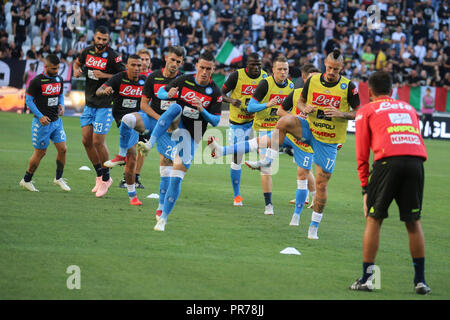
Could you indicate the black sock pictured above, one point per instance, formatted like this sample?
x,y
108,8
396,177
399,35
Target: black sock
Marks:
x,y
138,175
105,174
419,270
98,169
59,169
268,197
366,274
28,176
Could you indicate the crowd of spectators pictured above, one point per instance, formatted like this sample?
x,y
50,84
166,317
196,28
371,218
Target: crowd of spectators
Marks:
x,y
410,39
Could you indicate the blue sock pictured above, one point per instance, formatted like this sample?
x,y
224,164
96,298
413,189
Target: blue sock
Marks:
x,y
366,274
268,197
171,196
315,219
163,186
315,224
235,175
124,137
300,197
131,191
164,122
238,148
419,270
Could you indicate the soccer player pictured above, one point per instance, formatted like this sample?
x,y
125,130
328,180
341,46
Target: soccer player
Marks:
x,y
198,103
146,70
391,129
46,100
155,107
126,91
303,153
241,83
329,100
101,63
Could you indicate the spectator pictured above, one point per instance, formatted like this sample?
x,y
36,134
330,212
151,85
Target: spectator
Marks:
x,y
397,37
328,25
427,112
356,40
368,57
258,24
420,51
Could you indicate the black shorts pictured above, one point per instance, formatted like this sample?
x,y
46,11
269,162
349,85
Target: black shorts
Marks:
x,y
400,178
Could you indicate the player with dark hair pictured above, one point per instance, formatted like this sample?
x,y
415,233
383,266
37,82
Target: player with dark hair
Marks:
x,y
241,85
100,63
45,99
125,88
329,100
198,103
155,107
303,153
391,129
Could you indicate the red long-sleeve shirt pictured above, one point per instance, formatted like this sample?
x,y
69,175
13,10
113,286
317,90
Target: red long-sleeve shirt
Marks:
x,y
390,128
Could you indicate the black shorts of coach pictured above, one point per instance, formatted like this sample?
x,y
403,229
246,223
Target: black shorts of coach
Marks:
x,y
400,178
142,137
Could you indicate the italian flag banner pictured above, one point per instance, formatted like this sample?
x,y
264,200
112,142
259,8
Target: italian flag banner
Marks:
x,y
413,95
228,53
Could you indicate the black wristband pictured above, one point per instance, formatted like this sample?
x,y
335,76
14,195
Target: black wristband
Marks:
x,y
364,190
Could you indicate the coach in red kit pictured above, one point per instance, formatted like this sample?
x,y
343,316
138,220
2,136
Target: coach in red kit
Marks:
x,y
391,129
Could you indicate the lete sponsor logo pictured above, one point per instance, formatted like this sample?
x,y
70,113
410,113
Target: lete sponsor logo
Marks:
x,y
280,98
129,90
326,100
189,95
51,89
96,62
157,86
248,89
405,139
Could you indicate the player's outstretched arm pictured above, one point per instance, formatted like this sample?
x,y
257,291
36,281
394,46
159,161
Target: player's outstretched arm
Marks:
x,y
163,94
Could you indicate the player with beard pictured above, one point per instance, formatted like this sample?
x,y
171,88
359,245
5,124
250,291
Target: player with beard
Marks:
x,y
144,54
198,103
100,63
155,107
241,84
125,88
329,100
46,100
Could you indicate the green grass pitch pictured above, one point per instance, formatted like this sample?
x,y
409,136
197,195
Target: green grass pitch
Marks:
x,y
210,249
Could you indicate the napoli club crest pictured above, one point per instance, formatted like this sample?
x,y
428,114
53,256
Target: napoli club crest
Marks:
x,y
209,90
291,85
105,55
343,86
141,82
